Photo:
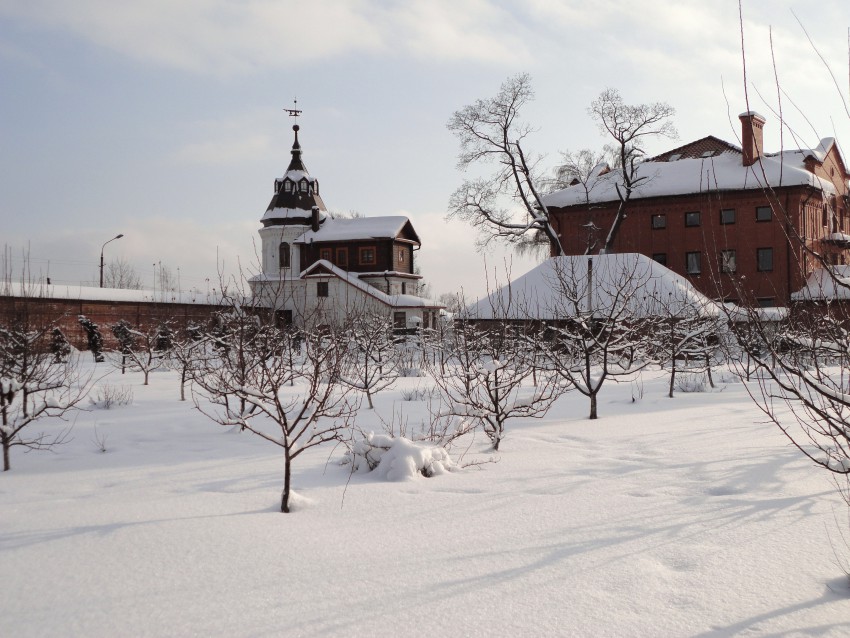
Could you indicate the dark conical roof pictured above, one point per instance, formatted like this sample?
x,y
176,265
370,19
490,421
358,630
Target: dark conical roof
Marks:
x,y
296,193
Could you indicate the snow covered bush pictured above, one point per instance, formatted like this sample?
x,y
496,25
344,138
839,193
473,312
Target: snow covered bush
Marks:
x,y
397,458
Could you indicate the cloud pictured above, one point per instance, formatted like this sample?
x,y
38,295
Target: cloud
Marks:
x,y
224,37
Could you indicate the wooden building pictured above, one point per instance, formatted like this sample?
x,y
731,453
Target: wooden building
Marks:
x,y
312,261
740,224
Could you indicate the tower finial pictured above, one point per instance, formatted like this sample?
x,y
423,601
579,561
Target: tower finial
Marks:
x,y
294,112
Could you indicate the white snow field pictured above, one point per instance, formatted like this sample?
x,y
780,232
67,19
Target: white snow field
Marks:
x,y
666,517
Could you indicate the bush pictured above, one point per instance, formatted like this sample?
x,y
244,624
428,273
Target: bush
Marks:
x,y
107,396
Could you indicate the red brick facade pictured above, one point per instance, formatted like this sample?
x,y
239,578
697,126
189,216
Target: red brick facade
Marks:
x,y
757,233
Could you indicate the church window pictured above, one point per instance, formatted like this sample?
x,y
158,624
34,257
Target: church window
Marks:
x,y
401,255
286,185
326,254
342,257
284,255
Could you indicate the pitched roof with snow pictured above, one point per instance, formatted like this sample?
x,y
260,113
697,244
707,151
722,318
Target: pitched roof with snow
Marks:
x,y
324,268
388,227
89,293
706,165
558,289
823,286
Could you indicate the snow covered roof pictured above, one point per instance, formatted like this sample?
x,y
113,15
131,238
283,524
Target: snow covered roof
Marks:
x,y
41,290
388,227
282,213
723,170
324,267
821,286
643,286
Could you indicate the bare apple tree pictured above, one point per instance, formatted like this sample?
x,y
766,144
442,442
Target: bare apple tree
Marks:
x,y
34,386
487,380
292,387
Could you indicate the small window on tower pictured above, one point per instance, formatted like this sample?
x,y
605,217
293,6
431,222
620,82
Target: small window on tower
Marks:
x,y
286,185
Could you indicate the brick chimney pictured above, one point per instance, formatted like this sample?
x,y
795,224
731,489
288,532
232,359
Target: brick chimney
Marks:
x,y
752,136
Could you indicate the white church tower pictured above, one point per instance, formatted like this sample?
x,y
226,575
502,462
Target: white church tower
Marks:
x,y
296,207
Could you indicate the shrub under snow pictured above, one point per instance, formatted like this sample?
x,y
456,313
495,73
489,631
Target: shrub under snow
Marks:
x,y
398,459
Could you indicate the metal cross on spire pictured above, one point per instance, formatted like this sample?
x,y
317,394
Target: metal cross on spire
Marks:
x,y
294,112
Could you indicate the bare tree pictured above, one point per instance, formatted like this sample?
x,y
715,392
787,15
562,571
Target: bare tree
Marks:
x,y
373,358
34,386
628,126
508,204
603,323
141,349
119,273
582,168
296,407
488,380
686,333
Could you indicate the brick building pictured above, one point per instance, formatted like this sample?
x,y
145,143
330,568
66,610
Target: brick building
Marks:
x,y
740,224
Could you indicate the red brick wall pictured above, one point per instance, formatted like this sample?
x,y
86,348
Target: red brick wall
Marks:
x,y
104,313
745,236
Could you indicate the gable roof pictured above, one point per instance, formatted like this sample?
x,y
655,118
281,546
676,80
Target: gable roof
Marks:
x,y
325,268
388,227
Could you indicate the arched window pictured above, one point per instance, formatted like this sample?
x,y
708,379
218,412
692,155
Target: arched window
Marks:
x,y
284,255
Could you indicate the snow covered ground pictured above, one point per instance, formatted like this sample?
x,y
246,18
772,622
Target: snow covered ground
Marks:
x,y
665,517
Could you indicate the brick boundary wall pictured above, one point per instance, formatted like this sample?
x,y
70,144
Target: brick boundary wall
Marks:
x,y
64,312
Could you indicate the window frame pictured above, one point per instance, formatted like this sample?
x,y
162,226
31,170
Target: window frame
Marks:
x,y
724,221
322,289
660,258
342,257
688,219
327,254
661,218
725,262
767,250
698,270
281,252
363,250
769,214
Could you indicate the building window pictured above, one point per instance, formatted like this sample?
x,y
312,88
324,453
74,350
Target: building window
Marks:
x,y
693,265
326,254
659,221
286,185
367,256
764,213
303,185
764,257
766,302
727,216
728,261
401,255
661,258
342,257
400,320
321,288
284,255
692,218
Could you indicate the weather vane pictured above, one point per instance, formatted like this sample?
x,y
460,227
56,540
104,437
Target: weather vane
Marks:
x,y
294,112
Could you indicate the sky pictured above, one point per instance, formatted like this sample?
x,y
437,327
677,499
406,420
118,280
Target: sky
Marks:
x,y
164,120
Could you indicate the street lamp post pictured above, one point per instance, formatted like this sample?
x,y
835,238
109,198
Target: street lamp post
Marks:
x,y
101,256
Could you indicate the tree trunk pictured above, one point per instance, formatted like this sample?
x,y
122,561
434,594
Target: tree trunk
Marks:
x,y
593,406
287,472
369,398
183,384
672,375
6,445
